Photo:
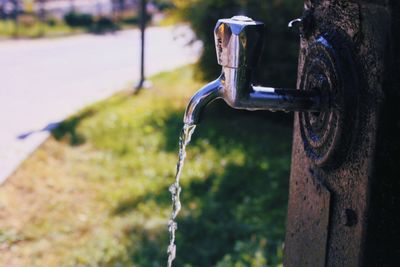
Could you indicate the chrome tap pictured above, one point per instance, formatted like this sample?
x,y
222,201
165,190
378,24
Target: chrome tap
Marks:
x,y
238,43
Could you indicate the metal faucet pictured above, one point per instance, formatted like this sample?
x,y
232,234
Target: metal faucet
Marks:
x,y
239,42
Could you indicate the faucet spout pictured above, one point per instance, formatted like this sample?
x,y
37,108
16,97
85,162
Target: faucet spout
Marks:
x,y
238,43
201,99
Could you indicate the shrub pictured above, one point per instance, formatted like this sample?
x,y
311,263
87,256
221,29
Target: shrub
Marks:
x,y
74,19
27,21
163,4
278,64
133,20
104,24
51,21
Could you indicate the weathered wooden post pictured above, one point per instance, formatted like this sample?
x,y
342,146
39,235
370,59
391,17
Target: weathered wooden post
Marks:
x,y
344,200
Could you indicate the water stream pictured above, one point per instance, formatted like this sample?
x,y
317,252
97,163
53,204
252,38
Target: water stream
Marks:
x,y
175,190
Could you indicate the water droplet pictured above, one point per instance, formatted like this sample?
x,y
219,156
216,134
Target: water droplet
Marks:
x,y
171,254
173,189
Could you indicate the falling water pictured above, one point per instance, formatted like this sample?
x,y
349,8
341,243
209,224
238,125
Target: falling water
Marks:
x,y
175,189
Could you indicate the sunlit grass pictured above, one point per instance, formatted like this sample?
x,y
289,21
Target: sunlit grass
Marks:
x,y
31,27
36,30
95,193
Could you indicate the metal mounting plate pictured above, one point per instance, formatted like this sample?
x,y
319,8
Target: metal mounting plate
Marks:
x,y
330,68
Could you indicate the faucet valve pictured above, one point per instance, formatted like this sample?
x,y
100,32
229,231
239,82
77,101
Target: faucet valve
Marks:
x,y
239,43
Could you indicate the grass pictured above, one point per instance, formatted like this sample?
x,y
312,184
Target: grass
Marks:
x,y
36,30
96,193
30,27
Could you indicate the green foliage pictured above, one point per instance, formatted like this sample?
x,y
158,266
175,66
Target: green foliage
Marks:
x,y
101,186
95,25
51,21
163,4
67,129
49,28
30,26
74,19
278,64
134,19
104,24
234,184
27,20
130,20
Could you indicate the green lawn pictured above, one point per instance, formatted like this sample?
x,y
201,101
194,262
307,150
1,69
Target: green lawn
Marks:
x,y
30,27
96,193
37,30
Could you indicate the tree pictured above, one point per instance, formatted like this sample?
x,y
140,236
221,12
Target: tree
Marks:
x,y
279,61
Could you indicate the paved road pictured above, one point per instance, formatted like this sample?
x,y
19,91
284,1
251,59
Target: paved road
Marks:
x,y
43,81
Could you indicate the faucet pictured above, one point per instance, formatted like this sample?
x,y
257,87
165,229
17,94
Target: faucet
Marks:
x,y
238,43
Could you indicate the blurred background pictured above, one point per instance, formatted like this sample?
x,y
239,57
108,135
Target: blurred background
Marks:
x,y
85,163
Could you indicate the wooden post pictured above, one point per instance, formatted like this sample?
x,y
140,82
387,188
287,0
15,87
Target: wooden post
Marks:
x,y
344,199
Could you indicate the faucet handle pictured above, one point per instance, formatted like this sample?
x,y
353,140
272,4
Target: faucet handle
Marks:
x,y
238,41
